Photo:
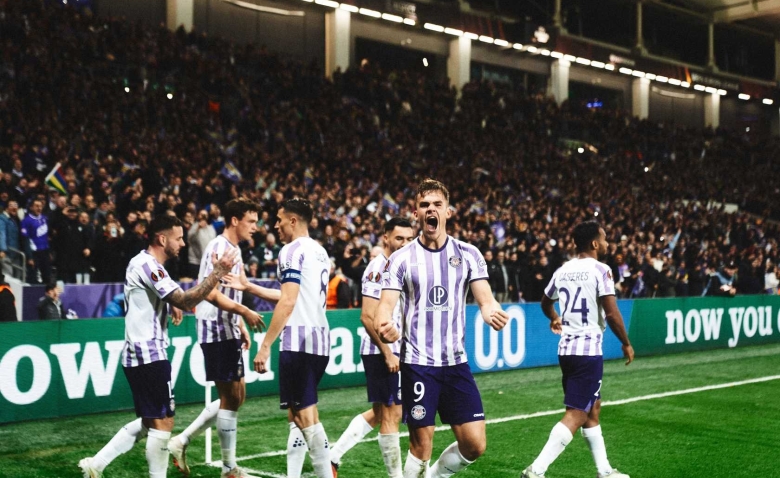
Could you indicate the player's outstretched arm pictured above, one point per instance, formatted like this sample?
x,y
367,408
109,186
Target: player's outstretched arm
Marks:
x,y
615,320
383,318
548,308
491,310
281,315
223,302
191,298
240,282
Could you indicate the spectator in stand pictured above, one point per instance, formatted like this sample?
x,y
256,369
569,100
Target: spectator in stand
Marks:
x,y
7,301
268,253
35,230
198,237
723,282
9,236
50,306
339,295
109,259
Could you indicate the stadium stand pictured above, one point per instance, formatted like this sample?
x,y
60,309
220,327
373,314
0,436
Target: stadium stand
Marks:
x,y
145,121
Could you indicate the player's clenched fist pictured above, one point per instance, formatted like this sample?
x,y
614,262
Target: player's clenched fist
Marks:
x,y
497,319
388,332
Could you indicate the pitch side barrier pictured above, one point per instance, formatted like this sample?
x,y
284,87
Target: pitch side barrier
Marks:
x,y
64,368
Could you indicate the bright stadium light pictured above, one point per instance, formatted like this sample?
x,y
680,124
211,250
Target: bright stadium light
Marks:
x,y
517,46
453,31
486,39
545,52
425,62
532,49
609,67
127,89
471,36
349,8
556,54
597,64
650,76
500,42
580,150
626,71
392,18
722,92
767,101
370,13
583,61
327,3
743,96
638,74
674,81
570,58
409,21
170,96
434,27
685,84
698,87
710,89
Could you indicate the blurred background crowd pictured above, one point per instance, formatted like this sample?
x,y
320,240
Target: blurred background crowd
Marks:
x,y
145,122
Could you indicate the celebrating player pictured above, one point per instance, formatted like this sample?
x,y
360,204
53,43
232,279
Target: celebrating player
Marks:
x,y
223,338
433,273
380,361
300,318
587,290
148,289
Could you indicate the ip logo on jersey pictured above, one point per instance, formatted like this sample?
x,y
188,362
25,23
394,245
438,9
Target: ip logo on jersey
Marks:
x,y
437,295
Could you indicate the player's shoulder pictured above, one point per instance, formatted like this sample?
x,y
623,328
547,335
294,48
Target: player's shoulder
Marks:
x,y
377,263
464,247
403,253
141,259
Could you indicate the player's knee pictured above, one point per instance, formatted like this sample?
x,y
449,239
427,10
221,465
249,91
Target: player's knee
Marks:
x,y
473,450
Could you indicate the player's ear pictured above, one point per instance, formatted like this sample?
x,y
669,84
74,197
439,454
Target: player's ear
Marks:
x,y
448,214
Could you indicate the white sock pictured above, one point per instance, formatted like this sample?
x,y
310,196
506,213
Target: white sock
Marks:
x,y
319,452
206,419
157,453
357,429
560,436
595,442
390,444
227,423
449,463
296,451
415,467
121,443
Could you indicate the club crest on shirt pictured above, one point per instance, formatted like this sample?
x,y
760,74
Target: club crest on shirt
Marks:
x,y
455,261
418,412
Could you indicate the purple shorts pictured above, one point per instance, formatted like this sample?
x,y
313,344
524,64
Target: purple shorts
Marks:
x,y
581,380
224,361
383,387
449,390
299,375
151,387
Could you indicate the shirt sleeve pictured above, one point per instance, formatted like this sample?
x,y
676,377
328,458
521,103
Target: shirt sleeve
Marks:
x,y
372,283
551,290
291,264
605,282
476,264
157,279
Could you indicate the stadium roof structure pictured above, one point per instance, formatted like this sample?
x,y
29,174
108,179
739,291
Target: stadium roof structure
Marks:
x,y
761,15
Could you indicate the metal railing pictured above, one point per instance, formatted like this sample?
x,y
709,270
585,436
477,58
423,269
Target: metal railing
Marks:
x,y
15,262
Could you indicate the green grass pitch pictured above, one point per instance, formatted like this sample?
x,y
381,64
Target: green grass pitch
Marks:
x,y
716,432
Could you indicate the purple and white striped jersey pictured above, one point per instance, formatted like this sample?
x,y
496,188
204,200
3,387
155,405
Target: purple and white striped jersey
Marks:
x,y
372,287
433,303
216,325
577,285
147,283
305,262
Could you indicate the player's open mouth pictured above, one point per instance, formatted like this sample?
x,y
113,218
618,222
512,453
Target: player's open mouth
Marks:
x,y
431,223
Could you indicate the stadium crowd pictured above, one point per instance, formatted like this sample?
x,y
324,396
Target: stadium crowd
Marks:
x,y
146,122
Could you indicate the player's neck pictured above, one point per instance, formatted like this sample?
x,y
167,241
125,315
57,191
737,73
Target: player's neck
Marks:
x,y
298,233
387,252
158,253
433,243
588,255
231,236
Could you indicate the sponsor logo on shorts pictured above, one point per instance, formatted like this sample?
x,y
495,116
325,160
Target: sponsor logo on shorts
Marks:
x,y
418,412
398,394
479,415
172,405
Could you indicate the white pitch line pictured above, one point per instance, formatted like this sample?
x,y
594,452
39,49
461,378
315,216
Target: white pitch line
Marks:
x,y
559,411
